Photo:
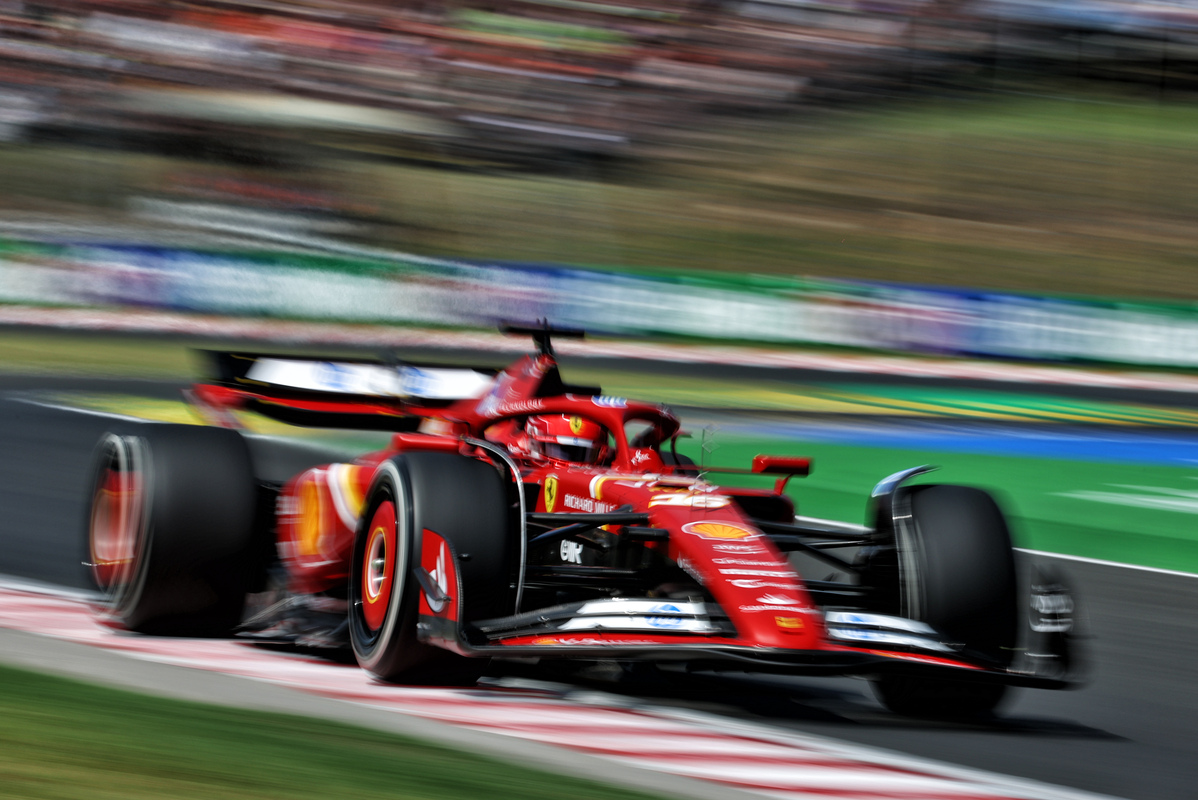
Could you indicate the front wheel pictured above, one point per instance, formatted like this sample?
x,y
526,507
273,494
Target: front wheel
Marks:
x,y
952,567
463,500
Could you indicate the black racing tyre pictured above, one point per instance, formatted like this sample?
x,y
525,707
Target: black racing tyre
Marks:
x,y
171,530
277,461
465,501
956,572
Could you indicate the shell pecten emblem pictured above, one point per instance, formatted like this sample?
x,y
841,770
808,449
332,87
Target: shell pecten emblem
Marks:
x,y
718,530
550,493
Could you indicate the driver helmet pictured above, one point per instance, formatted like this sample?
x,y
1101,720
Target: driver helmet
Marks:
x,y
566,437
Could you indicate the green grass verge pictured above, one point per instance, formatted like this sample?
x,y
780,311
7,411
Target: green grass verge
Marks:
x,y
37,353
64,739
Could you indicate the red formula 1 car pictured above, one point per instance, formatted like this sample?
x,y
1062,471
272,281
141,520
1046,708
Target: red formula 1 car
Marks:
x,y
516,516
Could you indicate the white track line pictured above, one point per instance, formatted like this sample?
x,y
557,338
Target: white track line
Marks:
x,y
91,412
1101,562
861,529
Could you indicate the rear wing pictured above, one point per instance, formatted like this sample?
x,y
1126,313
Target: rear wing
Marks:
x,y
337,393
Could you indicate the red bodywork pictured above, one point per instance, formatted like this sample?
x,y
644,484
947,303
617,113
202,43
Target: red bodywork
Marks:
x,y
710,536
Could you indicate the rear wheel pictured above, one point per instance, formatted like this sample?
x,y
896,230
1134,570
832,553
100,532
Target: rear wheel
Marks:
x,y
466,502
171,529
953,567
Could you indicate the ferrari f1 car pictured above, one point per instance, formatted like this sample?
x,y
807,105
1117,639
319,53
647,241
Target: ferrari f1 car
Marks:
x,y
516,516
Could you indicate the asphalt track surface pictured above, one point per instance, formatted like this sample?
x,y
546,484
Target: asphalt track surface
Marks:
x,y
1130,732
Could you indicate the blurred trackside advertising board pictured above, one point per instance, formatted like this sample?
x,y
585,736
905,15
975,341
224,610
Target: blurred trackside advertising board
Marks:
x,y
403,289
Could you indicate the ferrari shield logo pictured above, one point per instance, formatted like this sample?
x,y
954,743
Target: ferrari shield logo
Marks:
x,y
550,493
575,424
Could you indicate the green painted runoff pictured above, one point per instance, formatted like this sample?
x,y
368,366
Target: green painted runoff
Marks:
x,y
1134,514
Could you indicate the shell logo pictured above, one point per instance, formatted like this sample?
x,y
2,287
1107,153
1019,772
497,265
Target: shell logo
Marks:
x,y
790,624
718,530
689,499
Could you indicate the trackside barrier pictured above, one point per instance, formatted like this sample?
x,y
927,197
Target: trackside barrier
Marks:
x,y
397,288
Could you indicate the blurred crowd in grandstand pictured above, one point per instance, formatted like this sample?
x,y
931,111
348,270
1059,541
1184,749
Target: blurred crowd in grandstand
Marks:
x,y
510,78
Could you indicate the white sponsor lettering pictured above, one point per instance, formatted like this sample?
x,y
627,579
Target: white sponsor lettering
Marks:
x,y
745,562
690,500
787,609
776,600
739,548
764,573
753,583
520,407
571,552
605,401
638,624
586,504
622,605
887,637
879,621
689,567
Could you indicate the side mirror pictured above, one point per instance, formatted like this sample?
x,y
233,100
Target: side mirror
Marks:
x,y
788,466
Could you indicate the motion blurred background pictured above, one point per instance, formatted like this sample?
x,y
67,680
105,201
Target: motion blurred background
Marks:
x,y
993,177
1009,179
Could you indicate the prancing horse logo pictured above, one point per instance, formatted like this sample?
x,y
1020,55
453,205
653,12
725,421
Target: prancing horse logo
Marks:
x,y
550,493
